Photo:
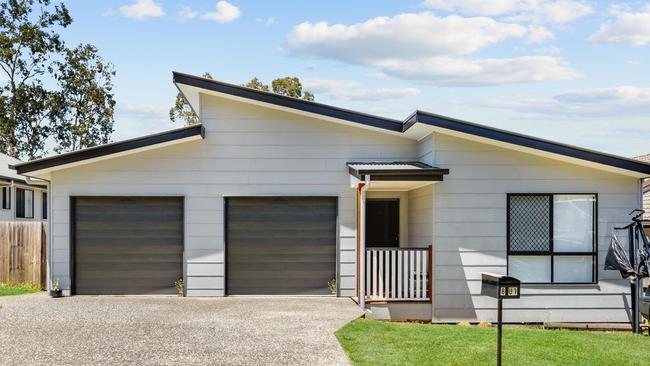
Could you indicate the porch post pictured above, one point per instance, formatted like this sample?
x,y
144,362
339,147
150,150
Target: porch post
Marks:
x,y
361,235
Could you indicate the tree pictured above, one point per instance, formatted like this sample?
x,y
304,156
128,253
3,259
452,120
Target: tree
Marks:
x,y
34,62
182,109
85,100
291,87
27,43
288,86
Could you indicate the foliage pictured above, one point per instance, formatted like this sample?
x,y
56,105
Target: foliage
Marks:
x,y
17,289
371,342
287,86
33,63
331,284
55,285
255,83
180,287
291,87
85,117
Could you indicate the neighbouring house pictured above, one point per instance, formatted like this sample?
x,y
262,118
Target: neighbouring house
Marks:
x,y
274,195
646,194
23,199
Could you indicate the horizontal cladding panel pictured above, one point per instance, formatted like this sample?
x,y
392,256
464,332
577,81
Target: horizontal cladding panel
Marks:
x,y
473,287
588,315
301,138
555,301
501,186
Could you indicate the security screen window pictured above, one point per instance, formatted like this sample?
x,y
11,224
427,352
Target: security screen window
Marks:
x,y
552,238
24,203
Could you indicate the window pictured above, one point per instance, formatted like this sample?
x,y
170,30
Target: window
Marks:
x,y
44,205
552,238
6,198
24,203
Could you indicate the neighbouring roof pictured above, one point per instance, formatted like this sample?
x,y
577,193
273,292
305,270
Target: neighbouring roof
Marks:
x,y
8,175
435,122
104,151
396,171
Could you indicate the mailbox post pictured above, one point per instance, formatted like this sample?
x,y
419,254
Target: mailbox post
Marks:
x,y
499,287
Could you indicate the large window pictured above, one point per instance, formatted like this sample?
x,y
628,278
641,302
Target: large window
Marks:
x,y
552,238
6,198
24,203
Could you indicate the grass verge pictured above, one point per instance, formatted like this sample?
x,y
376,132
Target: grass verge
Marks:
x,y
372,342
17,289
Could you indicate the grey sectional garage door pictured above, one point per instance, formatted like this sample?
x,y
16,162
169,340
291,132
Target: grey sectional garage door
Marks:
x,y
280,245
127,245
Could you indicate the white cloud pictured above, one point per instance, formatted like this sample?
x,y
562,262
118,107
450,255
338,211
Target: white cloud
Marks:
x,y
428,48
477,72
536,11
408,35
611,101
627,27
352,90
187,13
226,12
142,9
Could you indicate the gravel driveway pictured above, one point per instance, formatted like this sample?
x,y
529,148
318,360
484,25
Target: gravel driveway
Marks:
x,y
84,330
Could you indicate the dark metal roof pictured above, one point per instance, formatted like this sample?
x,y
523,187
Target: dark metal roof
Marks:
x,y
112,148
396,171
293,103
527,141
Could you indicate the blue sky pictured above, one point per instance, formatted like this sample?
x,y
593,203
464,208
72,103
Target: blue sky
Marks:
x,y
569,70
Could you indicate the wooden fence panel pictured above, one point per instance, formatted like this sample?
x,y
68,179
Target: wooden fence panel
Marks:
x,y
22,252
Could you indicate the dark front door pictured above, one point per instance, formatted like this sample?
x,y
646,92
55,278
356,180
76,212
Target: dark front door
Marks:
x,y
382,223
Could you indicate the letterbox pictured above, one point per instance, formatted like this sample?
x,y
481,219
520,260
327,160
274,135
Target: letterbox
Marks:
x,y
499,286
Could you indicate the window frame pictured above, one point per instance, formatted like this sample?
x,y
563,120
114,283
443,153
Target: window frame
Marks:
x,y
21,196
550,253
6,198
44,205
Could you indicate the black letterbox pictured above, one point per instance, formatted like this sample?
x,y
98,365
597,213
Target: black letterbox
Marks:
x,y
499,286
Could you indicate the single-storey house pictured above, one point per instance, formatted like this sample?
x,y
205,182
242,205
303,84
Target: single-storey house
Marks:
x,y
271,195
23,199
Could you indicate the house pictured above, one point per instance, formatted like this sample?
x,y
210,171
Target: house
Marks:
x,y
646,194
273,195
23,199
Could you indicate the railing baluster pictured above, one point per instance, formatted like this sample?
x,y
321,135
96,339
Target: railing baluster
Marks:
x,y
374,274
380,274
400,275
393,274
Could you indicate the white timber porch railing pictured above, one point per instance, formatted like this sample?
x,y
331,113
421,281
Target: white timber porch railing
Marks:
x,y
398,274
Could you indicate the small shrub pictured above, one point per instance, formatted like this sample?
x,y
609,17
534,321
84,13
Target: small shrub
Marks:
x,y
180,287
331,284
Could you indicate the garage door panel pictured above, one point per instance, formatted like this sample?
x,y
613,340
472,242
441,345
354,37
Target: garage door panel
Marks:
x,y
128,245
280,245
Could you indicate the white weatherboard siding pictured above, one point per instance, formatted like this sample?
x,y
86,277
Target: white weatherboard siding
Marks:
x,y
248,150
470,234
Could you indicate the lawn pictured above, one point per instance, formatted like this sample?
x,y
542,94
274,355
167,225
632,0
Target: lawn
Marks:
x,y
8,290
372,342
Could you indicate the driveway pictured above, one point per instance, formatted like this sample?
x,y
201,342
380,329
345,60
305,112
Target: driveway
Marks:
x,y
84,330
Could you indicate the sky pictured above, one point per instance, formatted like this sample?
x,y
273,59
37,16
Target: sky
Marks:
x,y
572,71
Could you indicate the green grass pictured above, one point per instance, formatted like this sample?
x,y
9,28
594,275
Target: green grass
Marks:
x,y
372,342
9,290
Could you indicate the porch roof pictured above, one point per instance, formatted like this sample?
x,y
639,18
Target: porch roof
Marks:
x,y
396,171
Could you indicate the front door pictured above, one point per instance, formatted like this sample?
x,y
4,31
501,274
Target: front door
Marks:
x,y
382,223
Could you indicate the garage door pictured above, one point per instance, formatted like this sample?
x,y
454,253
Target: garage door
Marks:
x,y
127,245
280,245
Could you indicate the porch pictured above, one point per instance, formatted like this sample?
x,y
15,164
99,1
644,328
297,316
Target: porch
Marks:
x,y
395,231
